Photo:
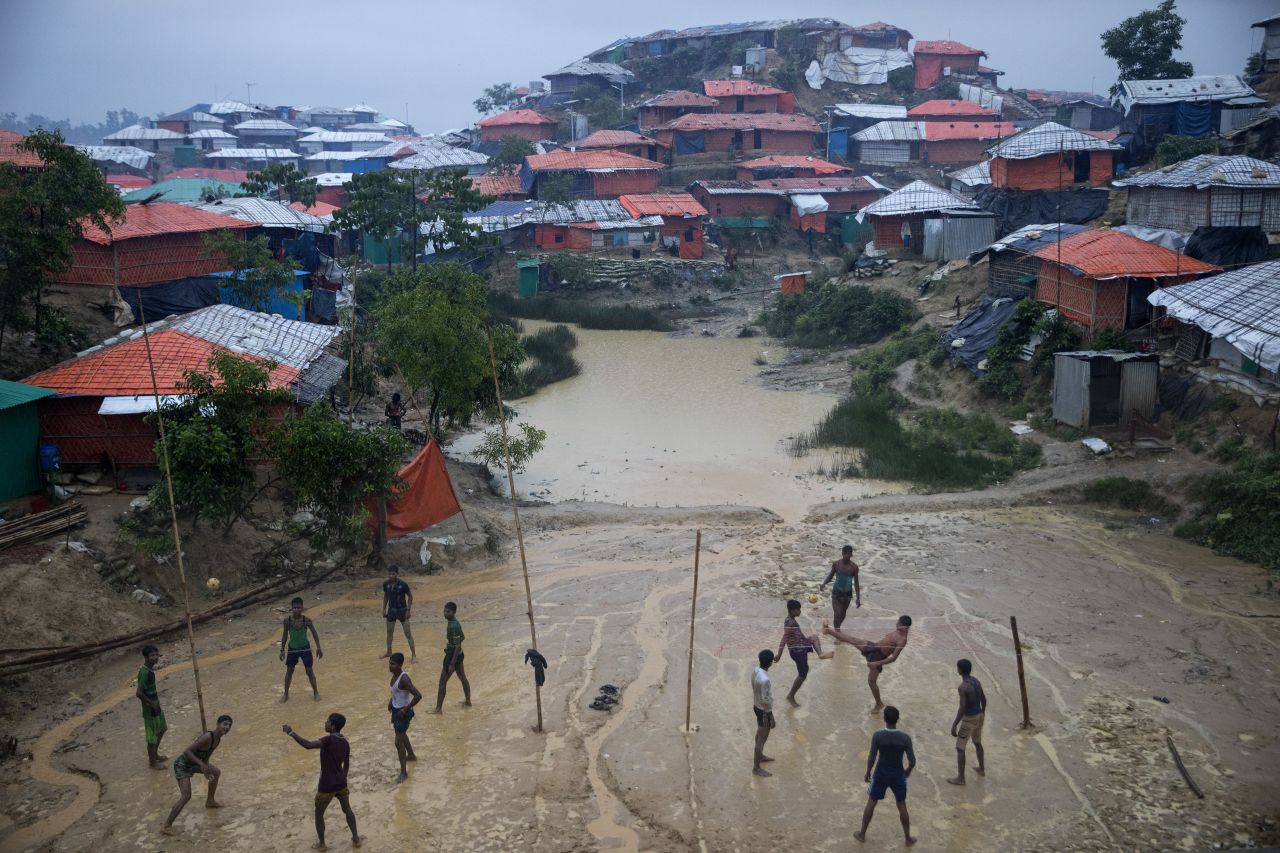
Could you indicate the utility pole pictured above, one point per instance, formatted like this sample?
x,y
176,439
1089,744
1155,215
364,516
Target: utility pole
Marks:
x,y
248,93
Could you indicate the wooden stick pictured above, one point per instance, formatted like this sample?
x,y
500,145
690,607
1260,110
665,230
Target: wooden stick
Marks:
x,y
173,514
1182,768
355,315
414,402
1022,678
693,616
515,513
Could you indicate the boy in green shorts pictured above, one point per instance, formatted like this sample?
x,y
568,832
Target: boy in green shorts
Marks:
x,y
297,645
153,723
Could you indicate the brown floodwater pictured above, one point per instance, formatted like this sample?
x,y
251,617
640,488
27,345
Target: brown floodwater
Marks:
x,y
654,420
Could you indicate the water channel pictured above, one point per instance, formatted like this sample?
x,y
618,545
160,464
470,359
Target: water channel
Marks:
x,y
660,420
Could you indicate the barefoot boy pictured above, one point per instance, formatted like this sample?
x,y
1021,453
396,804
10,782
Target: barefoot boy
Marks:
x,y
335,761
295,643
798,646
403,697
762,700
969,719
195,759
153,723
845,573
453,638
889,746
878,655
397,605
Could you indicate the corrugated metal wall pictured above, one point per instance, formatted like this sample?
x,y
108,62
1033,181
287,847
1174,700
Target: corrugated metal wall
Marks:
x,y
964,234
1071,390
884,152
1139,384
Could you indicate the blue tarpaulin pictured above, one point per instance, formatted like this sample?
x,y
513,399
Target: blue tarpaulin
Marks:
x,y
838,141
1193,118
691,143
978,331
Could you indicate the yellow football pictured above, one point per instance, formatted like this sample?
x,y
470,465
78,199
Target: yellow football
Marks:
x,y
813,598
213,584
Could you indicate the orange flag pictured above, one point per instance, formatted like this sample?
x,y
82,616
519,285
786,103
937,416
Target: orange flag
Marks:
x,y
425,498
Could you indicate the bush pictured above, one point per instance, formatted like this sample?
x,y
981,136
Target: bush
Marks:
x,y
1131,494
1239,513
874,370
552,351
1105,339
827,314
610,317
1175,149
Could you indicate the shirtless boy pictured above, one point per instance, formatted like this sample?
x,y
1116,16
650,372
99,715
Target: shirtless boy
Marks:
x,y
195,759
878,654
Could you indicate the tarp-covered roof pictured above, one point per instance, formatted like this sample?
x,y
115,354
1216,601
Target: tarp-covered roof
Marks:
x,y
679,98
344,136
252,154
437,155
1241,306
1104,254
496,184
136,131
693,122
939,107
979,174
1048,138
916,197
1029,239
183,189
856,66
266,124
1219,87
1210,170
125,155
880,111
511,117
266,213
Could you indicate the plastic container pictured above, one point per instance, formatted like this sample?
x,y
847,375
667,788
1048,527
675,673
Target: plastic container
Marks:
x,y
49,459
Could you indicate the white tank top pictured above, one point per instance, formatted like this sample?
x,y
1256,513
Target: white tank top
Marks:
x,y
399,698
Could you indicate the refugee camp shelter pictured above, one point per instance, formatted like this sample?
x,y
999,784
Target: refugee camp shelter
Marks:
x,y
20,437
592,174
899,218
103,393
591,225
1189,106
1270,41
1013,268
887,143
789,166
879,35
429,155
1233,319
955,143
723,133
952,110
266,132
341,140
526,124
740,203
603,75
1207,190
1101,278
501,187
682,219
157,140
1104,388
626,141
188,122
670,105
844,120
118,159
942,58
1049,156
251,159
212,140
970,180
1089,113
748,96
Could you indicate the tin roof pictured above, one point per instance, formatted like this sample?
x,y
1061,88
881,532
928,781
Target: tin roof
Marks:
x,y
19,393
916,197
265,124
586,68
679,98
1049,138
511,117
222,108
795,161
881,111
880,27
891,131
1210,170
744,121
436,155
252,154
265,213
973,176
338,156
157,219
332,179
210,133
615,139
1104,254
127,155
362,107
602,160
738,88
939,107
662,204
735,188
11,153
136,132
947,47
1220,87
344,136
1242,306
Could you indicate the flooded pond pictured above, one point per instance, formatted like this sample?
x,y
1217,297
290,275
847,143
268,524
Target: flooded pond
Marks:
x,y
657,420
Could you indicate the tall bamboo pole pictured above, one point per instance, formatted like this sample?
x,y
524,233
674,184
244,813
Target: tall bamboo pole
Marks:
x,y
1022,678
693,616
173,513
515,512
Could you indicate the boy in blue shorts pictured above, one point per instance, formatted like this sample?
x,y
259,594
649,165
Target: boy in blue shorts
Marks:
x,y
296,646
889,745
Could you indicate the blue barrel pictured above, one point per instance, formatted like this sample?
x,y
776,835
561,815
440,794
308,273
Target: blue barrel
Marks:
x,y
49,461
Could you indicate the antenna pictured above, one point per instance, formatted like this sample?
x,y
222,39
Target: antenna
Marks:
x,y
248,93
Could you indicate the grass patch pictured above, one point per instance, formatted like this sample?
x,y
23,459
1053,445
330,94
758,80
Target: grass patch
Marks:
x,y
1128,493
937,449
552,353
1239,512
829,315
874,369
608,317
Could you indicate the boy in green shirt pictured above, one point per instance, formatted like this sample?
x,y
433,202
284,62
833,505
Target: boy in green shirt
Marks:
x,y
153,722
295,642
453,638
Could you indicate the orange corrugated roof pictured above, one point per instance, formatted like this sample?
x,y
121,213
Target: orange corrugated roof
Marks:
x,y
11,153
128,182
160,217
1104,135
615,139
743,121
795,161
565,159
662,204
516,117
496,184
936,130
846,183
320,208
738,88
680,98
122,369
947,47
1103,254
939,107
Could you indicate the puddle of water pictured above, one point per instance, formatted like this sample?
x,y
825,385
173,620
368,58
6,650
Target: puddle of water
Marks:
x,y
656,420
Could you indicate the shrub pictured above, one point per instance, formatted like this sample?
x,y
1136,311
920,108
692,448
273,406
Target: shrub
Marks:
x,y
552,351
1239,512
1175,149
1128,493
827,314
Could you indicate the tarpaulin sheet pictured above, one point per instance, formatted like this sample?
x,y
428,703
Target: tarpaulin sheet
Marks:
x,y
691,143
1018,208
324,305
426,497
857,66
171,297
1192,118
1228,246
979,330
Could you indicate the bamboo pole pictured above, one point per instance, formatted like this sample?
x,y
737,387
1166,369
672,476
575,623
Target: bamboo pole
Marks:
x,y
515,513
1022,678
693,616
1182,768
173,513
413,401
351,364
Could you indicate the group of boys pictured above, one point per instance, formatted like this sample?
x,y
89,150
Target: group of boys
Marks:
x,y
335,751
889,746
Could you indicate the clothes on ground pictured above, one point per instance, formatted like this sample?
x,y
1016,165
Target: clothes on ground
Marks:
x,y
453,635
539,664
762,689
970,729
334,752
298,638
976,700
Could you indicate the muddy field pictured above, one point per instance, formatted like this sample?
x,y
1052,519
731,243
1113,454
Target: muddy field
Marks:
x,y
1111,619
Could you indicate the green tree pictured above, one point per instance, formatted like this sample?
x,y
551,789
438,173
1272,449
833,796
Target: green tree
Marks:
x,y
1254,64
445,198
496,98
432,327
283,181
42,214
1143,45
511,153
334,471
260,278
525,441
376,206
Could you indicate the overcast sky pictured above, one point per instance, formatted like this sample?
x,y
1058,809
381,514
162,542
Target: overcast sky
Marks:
x,y
78,58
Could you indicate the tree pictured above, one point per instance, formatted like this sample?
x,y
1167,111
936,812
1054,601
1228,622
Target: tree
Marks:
x,y
524,440
375,206
496,98
432,327
284,181
259,278
333,471
511,153
1255,63
1143,45
43,212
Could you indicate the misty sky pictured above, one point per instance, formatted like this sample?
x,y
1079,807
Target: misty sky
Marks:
x,y
78,58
